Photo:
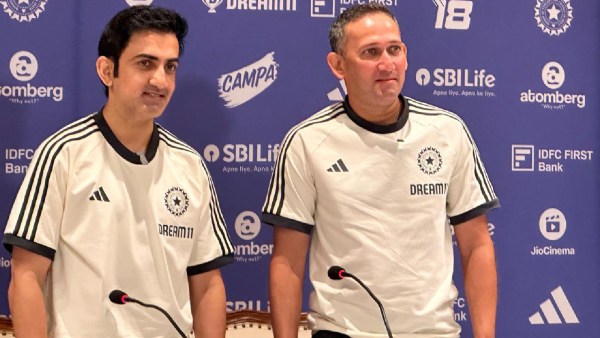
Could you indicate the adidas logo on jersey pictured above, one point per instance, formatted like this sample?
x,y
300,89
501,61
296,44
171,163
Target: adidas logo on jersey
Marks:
x,y
99,195
549,310
338,167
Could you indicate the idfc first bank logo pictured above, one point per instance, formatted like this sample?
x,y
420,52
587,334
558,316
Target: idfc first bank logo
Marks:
x,y
24,67
23,10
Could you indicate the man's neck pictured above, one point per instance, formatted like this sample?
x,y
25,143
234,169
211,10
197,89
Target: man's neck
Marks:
x,y
378,114
133,134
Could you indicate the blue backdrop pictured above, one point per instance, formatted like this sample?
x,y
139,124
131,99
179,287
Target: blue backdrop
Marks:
x,y
521,73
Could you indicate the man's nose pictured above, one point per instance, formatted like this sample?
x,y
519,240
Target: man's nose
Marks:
x,y
159,78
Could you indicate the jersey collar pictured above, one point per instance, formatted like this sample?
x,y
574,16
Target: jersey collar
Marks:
x,y
378,128
125,153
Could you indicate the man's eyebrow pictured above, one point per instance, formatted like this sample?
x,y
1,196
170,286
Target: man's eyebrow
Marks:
x,y
153,57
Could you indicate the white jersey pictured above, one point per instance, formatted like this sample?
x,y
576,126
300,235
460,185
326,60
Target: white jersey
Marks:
x,y
377,200
112,219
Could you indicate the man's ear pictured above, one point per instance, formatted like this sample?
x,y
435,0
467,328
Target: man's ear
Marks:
x,y
105,68
336,64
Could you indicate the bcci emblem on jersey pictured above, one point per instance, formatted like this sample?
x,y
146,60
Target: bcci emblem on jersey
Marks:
x,y
429,160
176,201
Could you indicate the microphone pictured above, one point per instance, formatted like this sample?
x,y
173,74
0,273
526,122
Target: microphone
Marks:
x,y
120,297
337,272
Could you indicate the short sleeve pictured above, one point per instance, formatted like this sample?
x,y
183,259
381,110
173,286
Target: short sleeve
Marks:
x,y
213,248
470,192
291,196
36,215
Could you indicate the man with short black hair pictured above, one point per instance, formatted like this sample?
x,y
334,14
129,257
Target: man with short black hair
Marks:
x,y
115,201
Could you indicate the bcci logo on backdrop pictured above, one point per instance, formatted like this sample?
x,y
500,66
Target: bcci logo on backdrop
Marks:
x,y
23,10
553,16
242,85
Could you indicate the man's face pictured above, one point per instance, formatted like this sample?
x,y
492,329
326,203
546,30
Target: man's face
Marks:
x,y
373,63
146,78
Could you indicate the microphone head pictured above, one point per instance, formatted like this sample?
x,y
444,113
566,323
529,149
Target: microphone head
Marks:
x,y
118,297
336,272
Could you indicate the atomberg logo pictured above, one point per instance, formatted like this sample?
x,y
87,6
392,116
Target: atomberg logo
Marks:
x,y
23,10
240,86
24,67
553,77
247,227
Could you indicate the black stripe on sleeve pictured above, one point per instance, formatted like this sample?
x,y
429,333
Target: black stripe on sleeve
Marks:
x,y
208,266
11,240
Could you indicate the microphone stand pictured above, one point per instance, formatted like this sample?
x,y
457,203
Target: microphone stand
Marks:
x,y
385,321
133,300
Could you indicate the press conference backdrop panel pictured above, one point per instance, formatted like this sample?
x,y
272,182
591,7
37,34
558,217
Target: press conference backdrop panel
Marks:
x,y
521,73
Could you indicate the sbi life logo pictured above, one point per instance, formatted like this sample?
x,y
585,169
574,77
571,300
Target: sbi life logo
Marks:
x,y
241,153
24,67
454,77
247,227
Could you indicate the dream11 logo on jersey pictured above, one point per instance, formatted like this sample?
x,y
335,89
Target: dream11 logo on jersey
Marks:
x,y
453,14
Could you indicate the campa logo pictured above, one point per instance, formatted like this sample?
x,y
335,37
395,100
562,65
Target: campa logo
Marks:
x,y
551,308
